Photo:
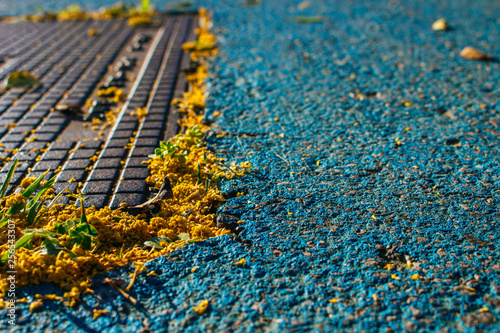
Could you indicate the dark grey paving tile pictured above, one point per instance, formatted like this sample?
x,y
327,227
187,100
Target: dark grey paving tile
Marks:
x,y
150,133
118,143
123,134
131,199
58,187
44,165
135,162
76,175
77,164
136,173
39,173
105,163
103,174
25,156
64,145
54,155
96,200
83,153
34,145
98,187
147,142
142,151
113,153
47,137
91,144
131,186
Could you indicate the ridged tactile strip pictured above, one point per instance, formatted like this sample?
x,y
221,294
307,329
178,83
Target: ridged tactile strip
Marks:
x,y
131,186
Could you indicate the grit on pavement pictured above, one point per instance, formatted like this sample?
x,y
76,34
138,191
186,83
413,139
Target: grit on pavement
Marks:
x,y
373,200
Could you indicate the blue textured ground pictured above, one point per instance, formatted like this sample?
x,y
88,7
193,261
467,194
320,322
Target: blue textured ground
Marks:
x,y
386,150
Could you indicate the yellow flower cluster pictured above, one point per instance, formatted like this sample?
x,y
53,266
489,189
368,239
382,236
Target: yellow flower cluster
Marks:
x,y
112,94
136,16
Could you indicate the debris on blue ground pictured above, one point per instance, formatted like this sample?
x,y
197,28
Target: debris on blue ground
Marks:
x,y
373,200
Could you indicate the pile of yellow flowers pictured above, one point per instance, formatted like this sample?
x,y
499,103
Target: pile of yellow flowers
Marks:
x,y
137,16
125,235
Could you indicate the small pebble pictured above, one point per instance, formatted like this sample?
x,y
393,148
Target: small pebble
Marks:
x,y
471,53
440,25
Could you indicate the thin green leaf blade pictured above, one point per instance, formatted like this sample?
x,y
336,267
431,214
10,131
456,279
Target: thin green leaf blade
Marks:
x,y
44,189
32,188
6,183
20,243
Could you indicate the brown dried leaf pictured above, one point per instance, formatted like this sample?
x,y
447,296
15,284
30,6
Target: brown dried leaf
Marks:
x,y
473,240
464,206
471,53
70,109
164,193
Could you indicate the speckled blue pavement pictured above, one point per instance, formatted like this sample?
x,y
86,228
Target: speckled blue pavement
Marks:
x,y
373,204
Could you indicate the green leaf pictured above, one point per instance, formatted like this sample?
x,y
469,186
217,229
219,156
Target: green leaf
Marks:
x,y
32,188
55,199
71,253
75,236
4,221
156,242
23,241
22,79
207,183
86,243
52,246
70,223
199,173
93,231
44,189
63,228
6,182
15,208
181,158
308,19
183,236
33,212
86,230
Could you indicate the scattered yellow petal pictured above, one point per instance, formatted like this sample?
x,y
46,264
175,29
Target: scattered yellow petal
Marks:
x,y
98,313
241,262
202,307
35,304
152,273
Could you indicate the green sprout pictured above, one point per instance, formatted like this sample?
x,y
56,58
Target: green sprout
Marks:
x,y
30,209
80,232
170,150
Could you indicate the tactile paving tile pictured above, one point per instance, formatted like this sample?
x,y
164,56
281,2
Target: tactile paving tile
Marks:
x,y
70,65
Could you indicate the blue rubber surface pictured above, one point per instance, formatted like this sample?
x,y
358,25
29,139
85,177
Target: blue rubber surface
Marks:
x,y
373,145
